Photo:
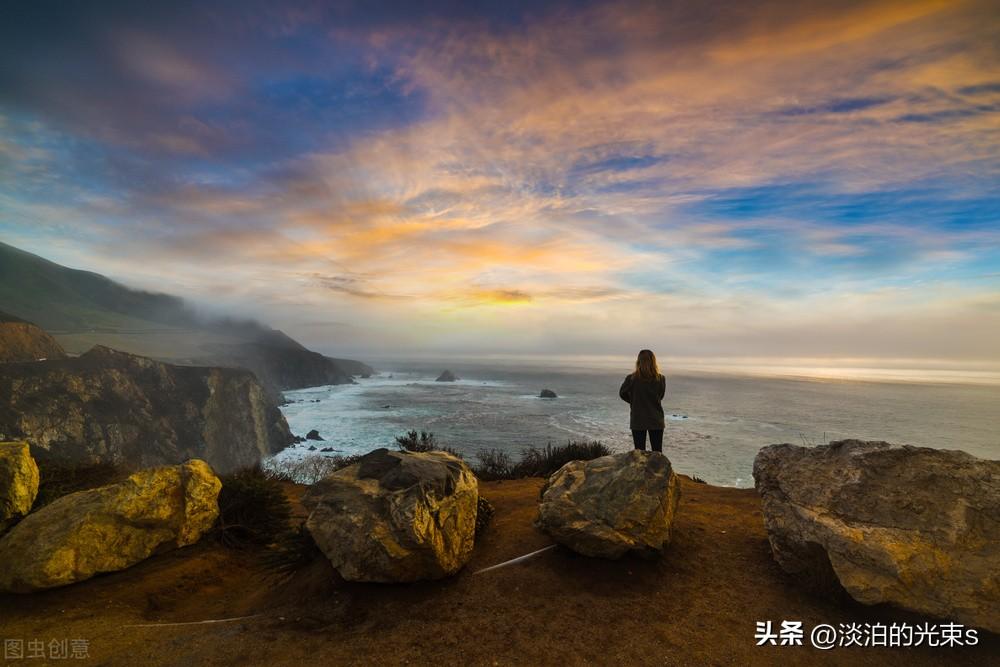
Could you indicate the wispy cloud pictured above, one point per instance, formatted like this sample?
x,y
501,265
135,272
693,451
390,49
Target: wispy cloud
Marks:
x,y
704,174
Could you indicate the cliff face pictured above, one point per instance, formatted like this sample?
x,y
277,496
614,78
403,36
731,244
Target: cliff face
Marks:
x,y
83,309
23,341
111,407
281,367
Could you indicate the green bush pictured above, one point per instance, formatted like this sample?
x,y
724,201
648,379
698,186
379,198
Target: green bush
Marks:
x,y
411,441
59,479
292,550
253,508
496,464
421,442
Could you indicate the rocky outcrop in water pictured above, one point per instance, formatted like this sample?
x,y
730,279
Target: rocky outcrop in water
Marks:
x,y
396,516
547,393
911,526
611,505
23,341
109,528
447,376
18,482
110,407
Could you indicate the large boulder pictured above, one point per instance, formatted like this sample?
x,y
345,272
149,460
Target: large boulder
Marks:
x,y
611,505
18,482
111,407
109,528
396,516
915,527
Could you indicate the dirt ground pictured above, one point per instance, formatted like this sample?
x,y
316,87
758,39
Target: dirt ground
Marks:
x,y
697,605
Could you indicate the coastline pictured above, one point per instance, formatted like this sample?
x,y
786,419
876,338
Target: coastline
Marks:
x,y
716,423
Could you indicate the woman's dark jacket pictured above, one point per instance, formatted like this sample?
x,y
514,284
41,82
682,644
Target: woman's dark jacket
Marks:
x,y
644,396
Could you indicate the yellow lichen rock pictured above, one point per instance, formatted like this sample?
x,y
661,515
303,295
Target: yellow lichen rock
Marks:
x,y
109,528
396,516
612,505
18,482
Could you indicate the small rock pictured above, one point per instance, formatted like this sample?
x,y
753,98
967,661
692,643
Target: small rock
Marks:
x,y
313,435
447,376
18,482
547,393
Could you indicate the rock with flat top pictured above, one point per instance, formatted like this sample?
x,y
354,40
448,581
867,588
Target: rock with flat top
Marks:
x,y
612,505
109,528
396,516
915,527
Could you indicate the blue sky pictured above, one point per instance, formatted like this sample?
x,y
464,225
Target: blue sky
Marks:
x,y
720,179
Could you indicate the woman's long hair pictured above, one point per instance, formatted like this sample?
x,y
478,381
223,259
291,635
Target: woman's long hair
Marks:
x,y
646,366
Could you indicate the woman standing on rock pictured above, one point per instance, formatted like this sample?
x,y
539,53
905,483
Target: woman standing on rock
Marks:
x,y
643,389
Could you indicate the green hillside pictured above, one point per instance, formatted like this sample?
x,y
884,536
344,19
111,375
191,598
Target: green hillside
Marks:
x,y
82,309
64,300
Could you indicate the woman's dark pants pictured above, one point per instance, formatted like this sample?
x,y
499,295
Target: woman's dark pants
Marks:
x,y
655,439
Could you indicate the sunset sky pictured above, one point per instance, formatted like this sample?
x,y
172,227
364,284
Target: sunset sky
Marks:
x,y
737,179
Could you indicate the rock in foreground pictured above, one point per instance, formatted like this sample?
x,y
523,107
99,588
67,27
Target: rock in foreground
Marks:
x,y
611,505
18,482
111,407
109,528
396,516
915,527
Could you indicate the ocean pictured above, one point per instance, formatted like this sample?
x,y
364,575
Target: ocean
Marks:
x,y
716,422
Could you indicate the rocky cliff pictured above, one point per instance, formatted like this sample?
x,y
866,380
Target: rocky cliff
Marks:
x,y
82,309
281,367
23,341
111,407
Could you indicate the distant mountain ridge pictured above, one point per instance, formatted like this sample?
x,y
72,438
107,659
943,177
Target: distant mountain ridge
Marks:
x,y
82,308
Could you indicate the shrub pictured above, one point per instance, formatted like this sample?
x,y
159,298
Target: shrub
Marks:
x,y
484,514
411,441
60,479
495,464
309,469
543,462
253,508
291,551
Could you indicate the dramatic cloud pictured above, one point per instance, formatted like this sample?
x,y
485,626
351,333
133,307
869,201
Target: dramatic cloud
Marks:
x,y
754,178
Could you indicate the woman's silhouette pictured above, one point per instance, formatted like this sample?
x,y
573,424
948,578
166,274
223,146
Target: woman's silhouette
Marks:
x,y
643,389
